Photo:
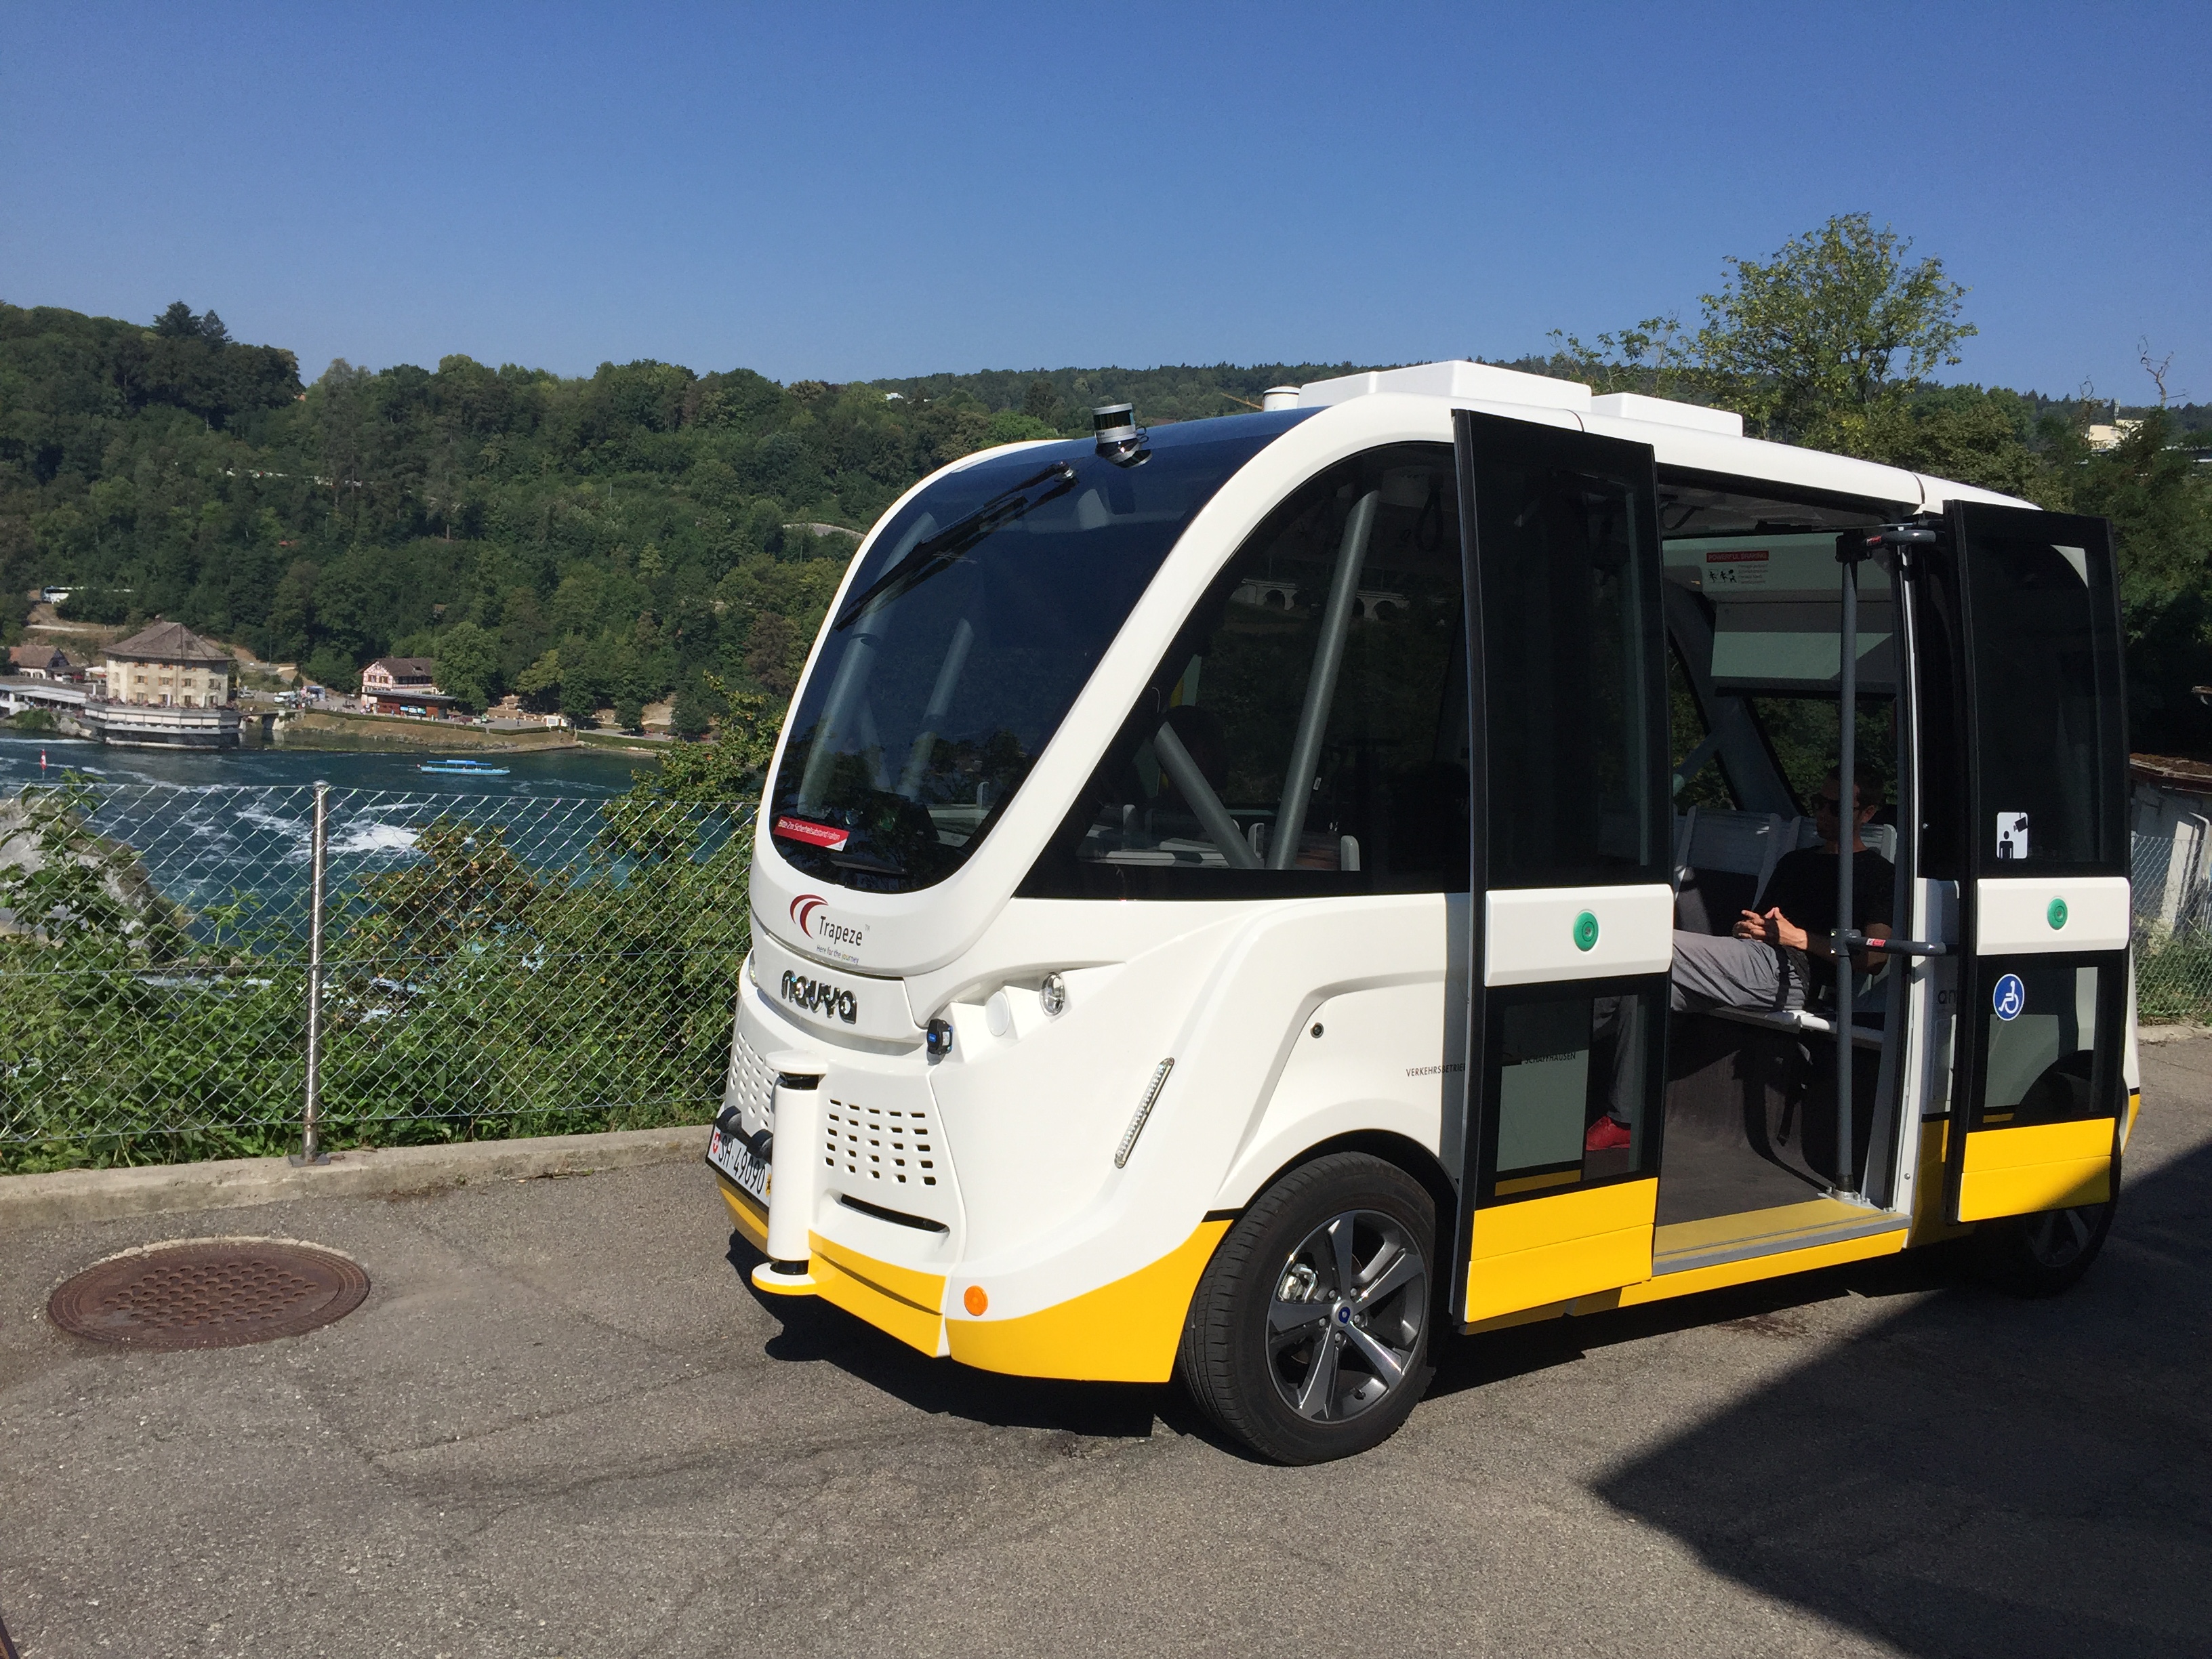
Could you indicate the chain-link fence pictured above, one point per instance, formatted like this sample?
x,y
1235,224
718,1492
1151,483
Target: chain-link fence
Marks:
x,y
488,965
2173,928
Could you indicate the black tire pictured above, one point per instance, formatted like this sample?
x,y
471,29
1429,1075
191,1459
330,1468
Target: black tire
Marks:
x,y
2043,1254
1275,1352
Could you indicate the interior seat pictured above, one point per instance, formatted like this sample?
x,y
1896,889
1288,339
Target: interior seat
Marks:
x,y
1722,859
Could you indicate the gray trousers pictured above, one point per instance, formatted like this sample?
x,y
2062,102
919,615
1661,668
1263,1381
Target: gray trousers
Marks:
x,y
1731,973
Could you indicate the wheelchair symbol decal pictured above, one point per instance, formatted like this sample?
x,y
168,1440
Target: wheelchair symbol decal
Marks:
x,y
2010,998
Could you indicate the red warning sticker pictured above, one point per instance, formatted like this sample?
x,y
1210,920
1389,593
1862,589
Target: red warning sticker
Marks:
x,y
825,836
1756,556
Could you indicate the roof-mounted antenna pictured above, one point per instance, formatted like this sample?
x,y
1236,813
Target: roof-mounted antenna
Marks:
x,y
1121,440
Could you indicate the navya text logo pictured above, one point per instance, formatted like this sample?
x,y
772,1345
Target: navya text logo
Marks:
x,y
819,996
839,938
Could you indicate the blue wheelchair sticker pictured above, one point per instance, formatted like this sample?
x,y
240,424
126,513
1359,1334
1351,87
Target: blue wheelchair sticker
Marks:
x,y
2010,998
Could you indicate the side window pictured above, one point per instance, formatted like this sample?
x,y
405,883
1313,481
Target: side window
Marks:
x,y
2047,725
1567,647
1306,731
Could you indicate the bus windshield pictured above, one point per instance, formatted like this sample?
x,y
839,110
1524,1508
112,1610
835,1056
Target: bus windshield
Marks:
x,y
978,615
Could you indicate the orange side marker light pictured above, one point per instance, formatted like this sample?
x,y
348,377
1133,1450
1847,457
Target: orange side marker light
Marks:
x,y
975,1301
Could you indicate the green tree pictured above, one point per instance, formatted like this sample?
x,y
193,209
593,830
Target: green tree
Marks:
x,y
291,613
327,666
691,717
728,768
1011,426
468,664
1834,325
539,684
2161,506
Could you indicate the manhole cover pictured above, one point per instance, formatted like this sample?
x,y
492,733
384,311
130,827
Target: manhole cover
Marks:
x,y
209,1293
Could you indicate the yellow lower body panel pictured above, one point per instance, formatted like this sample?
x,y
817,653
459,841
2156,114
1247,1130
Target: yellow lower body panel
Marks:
x,y
1553,1249
1124,1332
2038,1166
1691,1280
1931,1222
745,1210
900,1301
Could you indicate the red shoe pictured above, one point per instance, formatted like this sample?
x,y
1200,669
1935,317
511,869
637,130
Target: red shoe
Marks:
x,y
1607,1134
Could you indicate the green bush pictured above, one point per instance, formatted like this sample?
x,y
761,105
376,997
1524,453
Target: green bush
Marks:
x,y
470,992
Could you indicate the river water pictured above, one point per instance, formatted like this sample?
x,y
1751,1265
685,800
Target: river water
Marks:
x,y
210,827
545,772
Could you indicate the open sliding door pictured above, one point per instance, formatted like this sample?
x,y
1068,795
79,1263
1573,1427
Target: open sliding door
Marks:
x,y
2043,983
1572,930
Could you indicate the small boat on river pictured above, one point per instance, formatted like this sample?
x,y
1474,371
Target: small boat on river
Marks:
x,y
465,768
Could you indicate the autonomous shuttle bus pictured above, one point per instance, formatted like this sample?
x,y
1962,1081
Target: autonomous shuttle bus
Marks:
x,y
1215,898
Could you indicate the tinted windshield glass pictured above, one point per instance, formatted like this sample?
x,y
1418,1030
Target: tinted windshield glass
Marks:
x,y
980,610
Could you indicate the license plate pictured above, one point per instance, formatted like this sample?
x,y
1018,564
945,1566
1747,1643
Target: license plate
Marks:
x,y
735,1160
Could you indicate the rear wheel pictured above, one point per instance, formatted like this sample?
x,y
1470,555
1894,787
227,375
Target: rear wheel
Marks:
x,y
2043,1254
1308,1338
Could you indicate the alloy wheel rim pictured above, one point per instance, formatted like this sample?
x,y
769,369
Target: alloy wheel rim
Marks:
x,y
1344,1315
2056,1238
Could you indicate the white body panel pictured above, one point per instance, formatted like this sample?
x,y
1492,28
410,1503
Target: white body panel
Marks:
x,y
834,1002
1530,934
2013,915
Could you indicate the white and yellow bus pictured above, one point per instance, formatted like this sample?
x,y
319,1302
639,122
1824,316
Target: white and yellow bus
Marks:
x,y
1215,894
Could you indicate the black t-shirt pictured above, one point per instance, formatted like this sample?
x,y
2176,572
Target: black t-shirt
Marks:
x,y
1803,889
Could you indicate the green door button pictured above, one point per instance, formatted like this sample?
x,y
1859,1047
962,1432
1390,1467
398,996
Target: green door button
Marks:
x,y
2056,915
1586,932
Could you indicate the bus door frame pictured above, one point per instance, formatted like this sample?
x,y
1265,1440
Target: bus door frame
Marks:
x,y
1531,1248
1991,1172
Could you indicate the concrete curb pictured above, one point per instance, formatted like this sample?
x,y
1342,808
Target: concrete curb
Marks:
x,y
28,1201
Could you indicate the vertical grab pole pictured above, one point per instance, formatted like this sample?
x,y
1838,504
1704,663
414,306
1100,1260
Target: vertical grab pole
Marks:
x,y
1851,548
311,1150
1320,685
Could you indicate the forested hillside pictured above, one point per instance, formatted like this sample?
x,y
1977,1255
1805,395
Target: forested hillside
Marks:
x,y
587,543
649,532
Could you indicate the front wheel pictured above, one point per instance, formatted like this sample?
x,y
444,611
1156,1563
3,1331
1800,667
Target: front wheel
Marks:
x,y
2046,1252
1308,1337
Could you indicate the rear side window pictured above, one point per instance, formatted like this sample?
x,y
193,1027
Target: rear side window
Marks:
x,y
2049,746
1306,731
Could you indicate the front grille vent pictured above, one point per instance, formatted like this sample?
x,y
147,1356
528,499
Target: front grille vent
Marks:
x,y
751,1084
895,1146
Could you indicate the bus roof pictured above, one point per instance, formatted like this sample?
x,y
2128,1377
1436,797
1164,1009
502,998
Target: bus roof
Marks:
x,y
1681,434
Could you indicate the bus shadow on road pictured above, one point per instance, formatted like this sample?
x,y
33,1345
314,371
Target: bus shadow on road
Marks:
x,y
1980,1473
815,1332
1475,1362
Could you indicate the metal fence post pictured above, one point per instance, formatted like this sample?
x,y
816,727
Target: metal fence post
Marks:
x,y
311,1150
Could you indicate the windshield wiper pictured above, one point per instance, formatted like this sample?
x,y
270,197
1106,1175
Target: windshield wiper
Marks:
x,y
949,545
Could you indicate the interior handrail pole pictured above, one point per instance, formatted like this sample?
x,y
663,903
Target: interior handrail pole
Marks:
x,y
1321,684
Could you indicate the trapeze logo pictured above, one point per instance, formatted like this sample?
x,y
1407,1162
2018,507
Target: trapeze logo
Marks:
x,y
806,915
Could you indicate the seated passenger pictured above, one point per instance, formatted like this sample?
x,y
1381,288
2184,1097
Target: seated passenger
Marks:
x,y
1772,958
1770,962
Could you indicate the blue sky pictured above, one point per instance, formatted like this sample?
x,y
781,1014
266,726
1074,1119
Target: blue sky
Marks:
x,y
847,191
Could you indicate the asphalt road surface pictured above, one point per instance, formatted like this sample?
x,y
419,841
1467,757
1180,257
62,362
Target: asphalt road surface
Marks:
x,y
562,1425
